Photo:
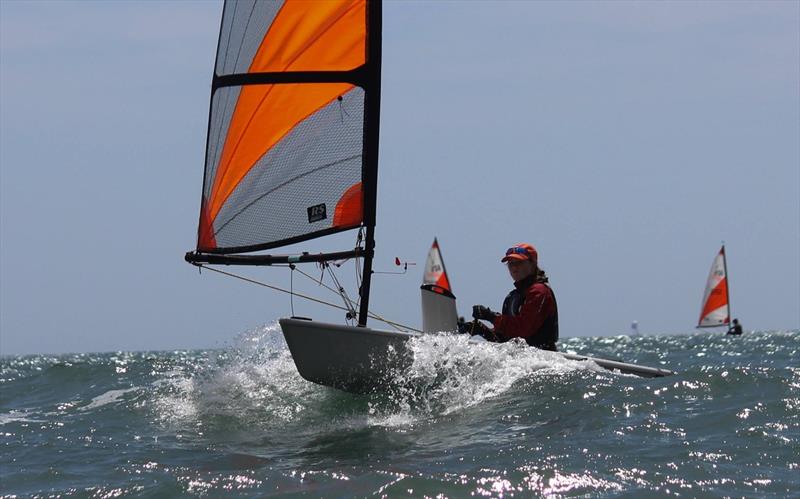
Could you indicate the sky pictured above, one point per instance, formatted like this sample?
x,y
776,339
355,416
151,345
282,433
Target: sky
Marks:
x,y
625,140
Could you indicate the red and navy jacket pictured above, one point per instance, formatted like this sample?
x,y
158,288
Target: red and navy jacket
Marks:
x,y
529,312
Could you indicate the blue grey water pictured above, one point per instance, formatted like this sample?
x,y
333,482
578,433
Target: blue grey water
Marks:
x,y
481,420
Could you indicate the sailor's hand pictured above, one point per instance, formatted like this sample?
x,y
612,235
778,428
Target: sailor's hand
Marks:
x,y
481,329
481,312
490,334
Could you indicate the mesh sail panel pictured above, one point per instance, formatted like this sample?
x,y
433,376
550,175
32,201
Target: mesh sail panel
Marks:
x,y
244,24
314,165
285,150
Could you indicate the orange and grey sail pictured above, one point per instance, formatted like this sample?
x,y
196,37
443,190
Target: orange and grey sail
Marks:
x,y
292,141
292,137
435,277
716,303
438,302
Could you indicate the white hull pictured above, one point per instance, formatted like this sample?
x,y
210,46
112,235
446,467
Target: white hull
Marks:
x,y
354,359
360,359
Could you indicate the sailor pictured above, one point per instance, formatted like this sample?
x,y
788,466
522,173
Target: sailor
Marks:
x,y
735,328
529,311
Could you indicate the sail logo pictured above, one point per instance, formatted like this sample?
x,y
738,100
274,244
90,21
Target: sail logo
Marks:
x,y
316,213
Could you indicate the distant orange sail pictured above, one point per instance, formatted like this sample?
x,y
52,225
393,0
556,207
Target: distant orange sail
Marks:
x,y
284,156
435,274
715,306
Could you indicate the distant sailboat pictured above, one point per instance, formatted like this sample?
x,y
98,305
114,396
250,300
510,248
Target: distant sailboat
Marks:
x,y
438,302
716,306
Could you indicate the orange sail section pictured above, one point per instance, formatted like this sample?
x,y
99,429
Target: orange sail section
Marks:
x,y
305,35
314,36
717,298
350,208
205,240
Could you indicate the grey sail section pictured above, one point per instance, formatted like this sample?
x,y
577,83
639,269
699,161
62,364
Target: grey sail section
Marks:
x,y
244,25
223,104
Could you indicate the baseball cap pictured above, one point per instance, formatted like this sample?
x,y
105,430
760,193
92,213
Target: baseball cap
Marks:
x,y
521,251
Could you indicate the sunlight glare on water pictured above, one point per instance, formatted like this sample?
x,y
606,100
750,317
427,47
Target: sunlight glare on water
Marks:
x,y
465,418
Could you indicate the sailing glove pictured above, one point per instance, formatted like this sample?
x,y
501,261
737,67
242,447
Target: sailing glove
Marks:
x,y
481,312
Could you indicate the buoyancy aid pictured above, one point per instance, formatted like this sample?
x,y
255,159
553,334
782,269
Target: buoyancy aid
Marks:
x,y
539,327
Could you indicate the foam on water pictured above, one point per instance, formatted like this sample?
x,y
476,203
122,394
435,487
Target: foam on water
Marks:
x,y
17,416
256,376
253,377
452,372
465,418
106,398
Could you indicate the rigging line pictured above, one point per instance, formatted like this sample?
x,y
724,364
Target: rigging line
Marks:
x,y
373,315
359,240
310,298
349,301
319,283
359,274
398,327
291,287
342,293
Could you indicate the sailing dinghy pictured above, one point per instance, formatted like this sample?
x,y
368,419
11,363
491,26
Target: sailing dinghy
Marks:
x,y
716,306
292,156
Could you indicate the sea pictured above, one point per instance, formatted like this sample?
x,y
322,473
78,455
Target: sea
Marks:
x,y
465,420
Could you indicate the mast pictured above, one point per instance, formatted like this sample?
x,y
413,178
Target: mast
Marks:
x,y
371,134
727,284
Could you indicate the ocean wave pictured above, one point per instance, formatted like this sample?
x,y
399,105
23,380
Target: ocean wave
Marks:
x,y
464,418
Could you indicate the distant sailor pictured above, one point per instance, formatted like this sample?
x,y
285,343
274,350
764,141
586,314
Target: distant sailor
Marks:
x,y
735,328
529,311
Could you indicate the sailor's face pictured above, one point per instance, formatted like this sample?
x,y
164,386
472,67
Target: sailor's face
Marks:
x,y
520,269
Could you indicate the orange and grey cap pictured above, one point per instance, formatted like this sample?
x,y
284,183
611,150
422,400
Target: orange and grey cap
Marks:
x,y
521,251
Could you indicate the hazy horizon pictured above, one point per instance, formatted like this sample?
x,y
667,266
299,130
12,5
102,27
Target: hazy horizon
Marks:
x,y
625,140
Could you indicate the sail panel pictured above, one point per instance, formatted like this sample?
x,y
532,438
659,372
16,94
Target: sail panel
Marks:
x,y
435,274
264,115
223,104
292,35
715,309
285,161
270,200
244,24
